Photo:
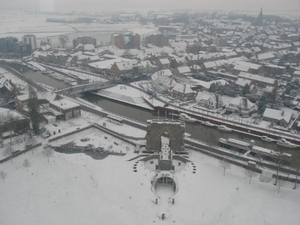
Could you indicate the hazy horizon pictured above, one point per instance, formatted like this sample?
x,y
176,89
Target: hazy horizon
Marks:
x,y
269,6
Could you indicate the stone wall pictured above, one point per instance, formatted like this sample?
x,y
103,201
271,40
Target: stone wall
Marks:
x,y
157,128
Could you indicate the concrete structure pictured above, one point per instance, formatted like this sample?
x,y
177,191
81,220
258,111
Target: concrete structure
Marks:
x,y
165,159
30,39
157,40
158,128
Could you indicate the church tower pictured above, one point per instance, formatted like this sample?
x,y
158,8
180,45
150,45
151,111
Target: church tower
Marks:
x,y
259,21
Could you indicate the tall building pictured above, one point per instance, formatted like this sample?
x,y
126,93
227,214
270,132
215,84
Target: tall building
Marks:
x,y
30,39
7,44
259,21
157,40
84,40
117,40
22,49
46,40
126,41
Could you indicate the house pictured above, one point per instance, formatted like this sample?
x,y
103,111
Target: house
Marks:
x,y
163,81
182,71
14,121
163,63
195,68
66,109
6,85
277,117
50,104
241,82
242,66
266,56
259,80
209,100
123,69
183,92
146,67
242,106
178,62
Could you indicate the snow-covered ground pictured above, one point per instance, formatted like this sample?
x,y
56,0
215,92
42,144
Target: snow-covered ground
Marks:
x,y
75,189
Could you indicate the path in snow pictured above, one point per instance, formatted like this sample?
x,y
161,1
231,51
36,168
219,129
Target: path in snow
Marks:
x,y
164,192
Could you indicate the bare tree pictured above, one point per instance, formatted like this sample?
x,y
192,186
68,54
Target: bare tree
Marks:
x,y
26,163
296,164
278,163
47,151
280,182
11,119
8,152
224,164
250,173
33,109
2,175
2,122
31,142
63,40
18,139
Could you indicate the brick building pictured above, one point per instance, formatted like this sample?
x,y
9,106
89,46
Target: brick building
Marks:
x,y
126,41
84,40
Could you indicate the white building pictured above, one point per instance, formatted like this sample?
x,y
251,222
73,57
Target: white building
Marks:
x,y
30,39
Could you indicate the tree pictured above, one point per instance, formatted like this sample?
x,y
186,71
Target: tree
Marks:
x,y
2,122
18,140
31,142
26,163
296,164
63,40
47,152
249,173
224,164
278,163
2,175
33,108
262,105
246,90
8,152
280,182
11,119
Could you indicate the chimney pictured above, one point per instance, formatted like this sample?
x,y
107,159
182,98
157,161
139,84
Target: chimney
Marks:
x,y
282,113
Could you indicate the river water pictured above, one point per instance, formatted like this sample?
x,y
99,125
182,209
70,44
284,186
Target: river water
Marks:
x,y
197,131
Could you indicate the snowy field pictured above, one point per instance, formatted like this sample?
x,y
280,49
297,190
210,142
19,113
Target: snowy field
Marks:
x,y
75,189
19,23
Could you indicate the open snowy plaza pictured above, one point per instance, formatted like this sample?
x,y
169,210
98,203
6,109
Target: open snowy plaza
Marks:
x,y
77,189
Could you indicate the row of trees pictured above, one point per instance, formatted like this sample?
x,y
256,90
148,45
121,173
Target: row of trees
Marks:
x,y
47,152
225,164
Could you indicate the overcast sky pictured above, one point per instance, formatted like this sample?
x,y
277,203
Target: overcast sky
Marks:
x,y
98,5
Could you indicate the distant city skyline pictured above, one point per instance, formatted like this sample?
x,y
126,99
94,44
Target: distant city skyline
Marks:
x,y
269,6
